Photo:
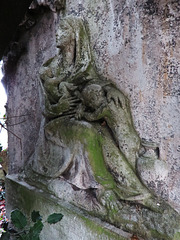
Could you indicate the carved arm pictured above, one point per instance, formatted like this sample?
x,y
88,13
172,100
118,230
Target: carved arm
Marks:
x,y
96,115
115,95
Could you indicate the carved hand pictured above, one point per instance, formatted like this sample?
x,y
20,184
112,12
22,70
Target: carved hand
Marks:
x,y
66,104
117,97
80,111
70,86
63,105
66,85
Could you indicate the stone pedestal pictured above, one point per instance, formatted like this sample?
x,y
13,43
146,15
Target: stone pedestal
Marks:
x,y
75,225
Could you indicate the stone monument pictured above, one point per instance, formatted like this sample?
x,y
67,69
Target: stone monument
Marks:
x,y
94,88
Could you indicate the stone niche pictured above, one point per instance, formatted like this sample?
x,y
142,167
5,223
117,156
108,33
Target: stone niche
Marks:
x,y
93,94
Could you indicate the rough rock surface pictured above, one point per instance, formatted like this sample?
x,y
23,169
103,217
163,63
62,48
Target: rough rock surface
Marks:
x,y
133,43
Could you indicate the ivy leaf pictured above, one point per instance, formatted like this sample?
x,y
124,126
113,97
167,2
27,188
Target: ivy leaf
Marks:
x,y
35,230
18,219
35,216
54,218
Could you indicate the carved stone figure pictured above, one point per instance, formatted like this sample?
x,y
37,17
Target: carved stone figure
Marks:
x,y
112,106
87,140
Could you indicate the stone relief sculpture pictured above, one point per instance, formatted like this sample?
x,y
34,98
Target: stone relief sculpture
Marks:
x,y
88,141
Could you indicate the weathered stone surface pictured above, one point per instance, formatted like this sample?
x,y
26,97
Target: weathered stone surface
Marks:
x,y
134,44
75,224
88,138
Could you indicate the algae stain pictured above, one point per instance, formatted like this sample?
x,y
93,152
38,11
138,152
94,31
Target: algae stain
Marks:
x,y
101,232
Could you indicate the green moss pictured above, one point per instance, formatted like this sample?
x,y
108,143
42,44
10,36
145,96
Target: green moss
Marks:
x,y
177,236
92,141
157,235
101,231
101,173
94,149
27,199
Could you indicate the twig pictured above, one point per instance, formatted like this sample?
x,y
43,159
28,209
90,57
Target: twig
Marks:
x,y
16,116
16,123
2,125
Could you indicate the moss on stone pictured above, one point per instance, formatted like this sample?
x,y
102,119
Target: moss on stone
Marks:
x,y
101,173
177,236
77,132
101,231
157,235
28,199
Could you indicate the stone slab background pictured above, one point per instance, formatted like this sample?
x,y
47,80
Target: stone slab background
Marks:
x,y
136,45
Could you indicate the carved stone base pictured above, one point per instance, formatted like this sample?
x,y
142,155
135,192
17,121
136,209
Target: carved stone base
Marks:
x,y
107,219
76,224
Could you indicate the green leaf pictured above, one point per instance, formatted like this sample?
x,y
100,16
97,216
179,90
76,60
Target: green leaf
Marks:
x,y
35,230
35,216
54,218
18,219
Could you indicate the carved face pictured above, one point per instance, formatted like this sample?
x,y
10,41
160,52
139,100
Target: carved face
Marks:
x,y
93,96
64,35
